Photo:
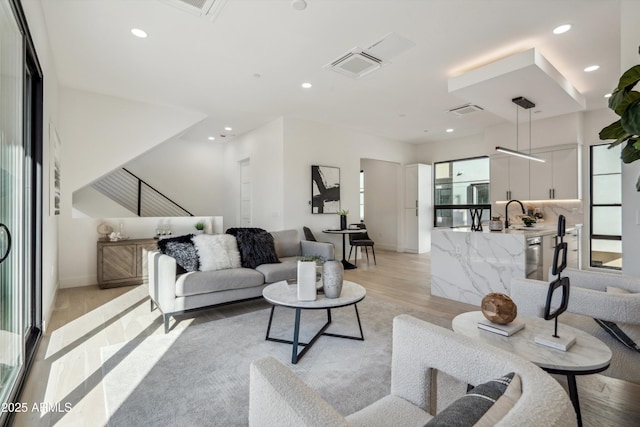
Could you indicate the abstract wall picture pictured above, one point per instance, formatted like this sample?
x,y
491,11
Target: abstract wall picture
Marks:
x,y
325,189
54,168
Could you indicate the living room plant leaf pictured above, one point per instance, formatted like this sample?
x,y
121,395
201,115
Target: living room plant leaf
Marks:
x,y
626,103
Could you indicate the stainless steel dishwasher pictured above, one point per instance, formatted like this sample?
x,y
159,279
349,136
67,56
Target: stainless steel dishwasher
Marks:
x,y
533,258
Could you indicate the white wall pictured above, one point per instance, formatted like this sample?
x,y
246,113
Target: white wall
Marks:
x,y
90,203
559,130
99,133
38,30
629,40
264,148
308,143
191,173
381,201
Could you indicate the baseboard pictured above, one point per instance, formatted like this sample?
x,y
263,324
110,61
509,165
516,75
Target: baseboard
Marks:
x,y
78,281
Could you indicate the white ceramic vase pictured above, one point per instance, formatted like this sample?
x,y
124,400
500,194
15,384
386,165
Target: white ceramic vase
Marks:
x,y
332,276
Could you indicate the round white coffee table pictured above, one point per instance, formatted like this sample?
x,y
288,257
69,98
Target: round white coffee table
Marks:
x,y
286,295
588,355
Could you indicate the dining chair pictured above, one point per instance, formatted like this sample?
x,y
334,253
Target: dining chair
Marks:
x,y
308,234
361,240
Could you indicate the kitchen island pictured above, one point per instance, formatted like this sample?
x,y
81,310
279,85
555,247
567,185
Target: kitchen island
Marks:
x,y
467,265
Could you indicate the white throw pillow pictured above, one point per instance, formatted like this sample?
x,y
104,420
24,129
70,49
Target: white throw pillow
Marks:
x,y
217,251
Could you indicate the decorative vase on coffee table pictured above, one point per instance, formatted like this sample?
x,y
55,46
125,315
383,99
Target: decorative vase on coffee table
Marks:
x,y
306,280
332,276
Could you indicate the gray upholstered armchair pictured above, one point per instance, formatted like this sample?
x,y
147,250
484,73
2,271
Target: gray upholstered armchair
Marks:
x,y
589,300
420,350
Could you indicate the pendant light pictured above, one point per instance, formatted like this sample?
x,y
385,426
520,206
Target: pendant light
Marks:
x,y
523,102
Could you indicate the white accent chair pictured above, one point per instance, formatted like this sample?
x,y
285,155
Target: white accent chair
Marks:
x,y
278,397
589,299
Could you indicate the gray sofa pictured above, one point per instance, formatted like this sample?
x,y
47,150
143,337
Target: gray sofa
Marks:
x,y
177,293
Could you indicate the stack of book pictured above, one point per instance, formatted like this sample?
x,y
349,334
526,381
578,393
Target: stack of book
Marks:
x,y
506,330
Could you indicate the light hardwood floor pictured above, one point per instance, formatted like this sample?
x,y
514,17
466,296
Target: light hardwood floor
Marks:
x,y
67,370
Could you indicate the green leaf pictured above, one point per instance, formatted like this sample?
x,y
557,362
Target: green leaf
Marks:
x,y
622,103
620,140
630,153
613,131
629,78
617,97
630,119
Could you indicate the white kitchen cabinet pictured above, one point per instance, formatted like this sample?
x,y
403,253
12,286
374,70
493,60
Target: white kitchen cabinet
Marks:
x,y
572,239
509,178
558,177
418,207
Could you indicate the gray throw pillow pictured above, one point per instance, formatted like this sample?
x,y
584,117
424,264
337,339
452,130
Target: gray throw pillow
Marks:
x,y
484,405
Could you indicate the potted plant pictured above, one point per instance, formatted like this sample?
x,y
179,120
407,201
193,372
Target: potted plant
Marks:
x,y
626,103
199,226
343,218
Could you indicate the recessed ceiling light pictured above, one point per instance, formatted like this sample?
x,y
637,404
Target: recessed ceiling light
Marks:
x,y
591,68
449,130
211,138
608,95
307,85
139,33
299,4
562,29
228,128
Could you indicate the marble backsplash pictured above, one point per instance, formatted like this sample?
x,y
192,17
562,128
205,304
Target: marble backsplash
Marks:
x,y
573,210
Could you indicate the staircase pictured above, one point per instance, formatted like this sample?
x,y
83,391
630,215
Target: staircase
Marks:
x,y
126,189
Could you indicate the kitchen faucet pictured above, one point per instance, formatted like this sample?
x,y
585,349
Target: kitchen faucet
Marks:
x,y
506,212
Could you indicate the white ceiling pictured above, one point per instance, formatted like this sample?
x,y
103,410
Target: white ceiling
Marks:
x,y
211,67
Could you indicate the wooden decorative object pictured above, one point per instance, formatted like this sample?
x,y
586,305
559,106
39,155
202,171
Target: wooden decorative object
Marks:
x,y
498,308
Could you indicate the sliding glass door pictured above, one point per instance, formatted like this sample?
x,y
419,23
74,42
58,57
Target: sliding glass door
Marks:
x,y
11,201
20,201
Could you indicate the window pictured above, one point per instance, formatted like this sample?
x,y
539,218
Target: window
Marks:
x,y
361,195
460,185
606,207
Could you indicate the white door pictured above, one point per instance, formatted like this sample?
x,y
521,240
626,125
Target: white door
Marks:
x,y
245,193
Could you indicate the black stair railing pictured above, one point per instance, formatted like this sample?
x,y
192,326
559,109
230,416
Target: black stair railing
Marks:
x,y
136,195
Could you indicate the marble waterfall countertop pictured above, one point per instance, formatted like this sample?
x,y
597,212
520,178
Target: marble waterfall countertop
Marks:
x,y
467,265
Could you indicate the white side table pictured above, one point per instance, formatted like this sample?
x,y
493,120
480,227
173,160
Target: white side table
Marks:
x,y
587,356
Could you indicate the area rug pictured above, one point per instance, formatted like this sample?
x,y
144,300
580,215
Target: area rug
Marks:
x,y
200,375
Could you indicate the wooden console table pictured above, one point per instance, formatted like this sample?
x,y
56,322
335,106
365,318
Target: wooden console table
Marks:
x,y
124,262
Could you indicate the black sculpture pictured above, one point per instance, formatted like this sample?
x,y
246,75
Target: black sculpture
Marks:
x,y
559,264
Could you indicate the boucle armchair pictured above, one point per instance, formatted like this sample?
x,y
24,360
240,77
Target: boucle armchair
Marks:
x,y
589,300
278,397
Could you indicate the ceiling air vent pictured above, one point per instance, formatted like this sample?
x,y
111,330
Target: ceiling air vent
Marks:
x,y
355,63
203,8
463,110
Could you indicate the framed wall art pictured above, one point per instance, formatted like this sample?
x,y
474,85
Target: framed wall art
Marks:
x,y
54,171
325,189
